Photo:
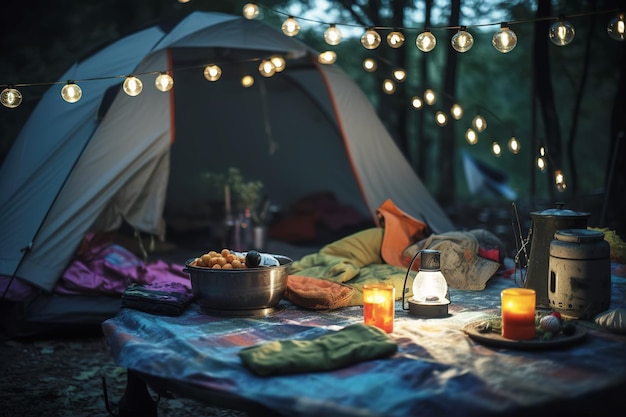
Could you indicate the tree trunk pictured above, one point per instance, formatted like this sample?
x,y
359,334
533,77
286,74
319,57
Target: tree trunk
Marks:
x,y
423,143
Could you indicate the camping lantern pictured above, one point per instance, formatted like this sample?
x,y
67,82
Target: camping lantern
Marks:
x,y
430,289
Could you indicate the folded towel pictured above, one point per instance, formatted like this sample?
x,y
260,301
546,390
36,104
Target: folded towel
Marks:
x,y
352,344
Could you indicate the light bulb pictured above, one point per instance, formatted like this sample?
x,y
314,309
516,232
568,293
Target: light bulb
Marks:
x,y
541,163
471,137
496,149
370,39
333,35
212,72
395,39
389,86
369,65
617,27
479,123
328,57
542,151
429,97
417,102
10,97
164,82
290,26
462,41
426,41
441,118
559,180
514,145
399,74
247,81
250,11
279,62
505,39
456,111
561,33
132,86
267,69
71,92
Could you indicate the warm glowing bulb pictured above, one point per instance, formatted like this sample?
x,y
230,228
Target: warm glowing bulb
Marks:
x,y
164,82
395,39
290,26
250,11
514,145
561,33
266,68
417,102
389,86
505,39
541,163
399,74
559,180
132,86
479,123
212,72
542,151
429,97
369,65
333,35
71,92
247,81
10,97
456,111
471,137
462,41
496,149
328,57
441,118
370,39
426,41
616,28
279,62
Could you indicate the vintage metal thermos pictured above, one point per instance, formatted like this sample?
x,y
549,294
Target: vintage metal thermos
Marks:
x,y
543,226
579,284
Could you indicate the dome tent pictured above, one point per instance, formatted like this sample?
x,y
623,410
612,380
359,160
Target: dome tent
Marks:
x,y
111,158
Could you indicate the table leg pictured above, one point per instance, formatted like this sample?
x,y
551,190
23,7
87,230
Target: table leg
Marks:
x,y
136,401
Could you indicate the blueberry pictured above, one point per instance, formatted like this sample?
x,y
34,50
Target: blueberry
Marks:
x,y
253,259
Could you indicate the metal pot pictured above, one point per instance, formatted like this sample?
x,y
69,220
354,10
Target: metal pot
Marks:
x,y
543,226
246,292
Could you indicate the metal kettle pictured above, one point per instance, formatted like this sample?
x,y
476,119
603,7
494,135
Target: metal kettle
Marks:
x,y
544,225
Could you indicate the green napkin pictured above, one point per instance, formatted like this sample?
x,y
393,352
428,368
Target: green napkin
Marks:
x,y
352,344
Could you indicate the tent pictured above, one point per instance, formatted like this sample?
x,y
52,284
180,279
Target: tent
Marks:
x,y
111,158
486,180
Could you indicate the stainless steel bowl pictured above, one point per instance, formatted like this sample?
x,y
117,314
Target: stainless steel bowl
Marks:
x,y
239,292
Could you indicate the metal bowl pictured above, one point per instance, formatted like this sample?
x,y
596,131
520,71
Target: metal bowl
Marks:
x,y
239,292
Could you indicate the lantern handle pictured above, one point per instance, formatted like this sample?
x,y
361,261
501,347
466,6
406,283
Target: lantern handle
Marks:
x,y
406,277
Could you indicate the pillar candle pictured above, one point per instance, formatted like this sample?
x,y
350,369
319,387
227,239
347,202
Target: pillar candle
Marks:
x,y
518,313
379,301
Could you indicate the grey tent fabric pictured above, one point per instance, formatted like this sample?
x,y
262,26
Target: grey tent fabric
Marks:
x,y
110,158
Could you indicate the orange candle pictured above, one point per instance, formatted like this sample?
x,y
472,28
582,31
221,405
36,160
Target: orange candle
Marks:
x,y
518,313
379,303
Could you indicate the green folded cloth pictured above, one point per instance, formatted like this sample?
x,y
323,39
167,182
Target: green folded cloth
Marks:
x,y
350,345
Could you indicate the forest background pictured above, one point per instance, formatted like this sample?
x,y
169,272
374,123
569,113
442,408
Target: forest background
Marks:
x,y
565,99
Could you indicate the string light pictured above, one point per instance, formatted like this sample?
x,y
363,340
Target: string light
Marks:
x,y
441,118
266,68
559,180
471,137
429,97
479,123
327,57
456,111
370,65
132,86
212,72
541,163
505,39
71,92
247,81
333,35
496,149
395,39
426,41
561,32
290,26
389,87
617,27
164,82
10,97
399,74
250,11
462,41
514,145
279,63
417,102
370,39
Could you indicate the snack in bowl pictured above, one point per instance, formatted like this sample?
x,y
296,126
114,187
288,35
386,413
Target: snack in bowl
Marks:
x,y
225,259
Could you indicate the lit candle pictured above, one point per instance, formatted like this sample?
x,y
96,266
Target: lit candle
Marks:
x,y
379,305
518,313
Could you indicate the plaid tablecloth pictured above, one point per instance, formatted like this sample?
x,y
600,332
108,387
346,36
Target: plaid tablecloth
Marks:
x,y
438,370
